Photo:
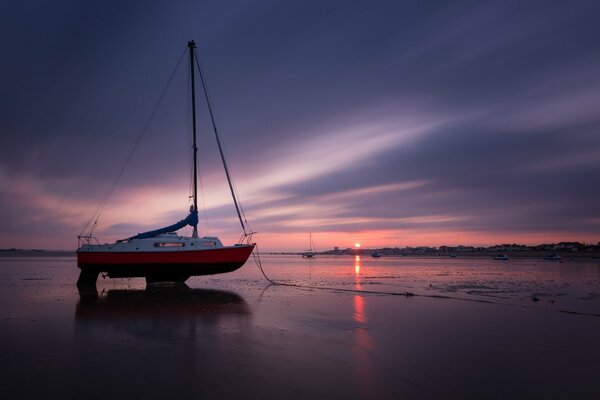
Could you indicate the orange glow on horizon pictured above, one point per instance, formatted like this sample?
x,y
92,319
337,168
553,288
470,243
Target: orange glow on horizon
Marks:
x,y
293,241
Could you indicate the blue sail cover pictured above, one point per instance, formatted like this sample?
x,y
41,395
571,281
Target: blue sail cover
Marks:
x,y
191,219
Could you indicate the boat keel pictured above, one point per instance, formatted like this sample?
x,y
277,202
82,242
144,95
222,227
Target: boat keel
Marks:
x,y
87,278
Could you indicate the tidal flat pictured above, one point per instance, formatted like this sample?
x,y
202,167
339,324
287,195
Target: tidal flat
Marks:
x,y
351,328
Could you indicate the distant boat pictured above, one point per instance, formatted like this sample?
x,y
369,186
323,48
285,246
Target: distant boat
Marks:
x,y
376,254
312,250
161,255
553,257
502,257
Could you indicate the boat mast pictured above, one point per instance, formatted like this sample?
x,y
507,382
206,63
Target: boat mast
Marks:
x,y
192,46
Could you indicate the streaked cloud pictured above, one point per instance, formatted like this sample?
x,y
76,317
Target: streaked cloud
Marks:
x,y
392,123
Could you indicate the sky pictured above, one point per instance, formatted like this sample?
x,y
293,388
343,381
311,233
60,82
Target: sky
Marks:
x,y
389,123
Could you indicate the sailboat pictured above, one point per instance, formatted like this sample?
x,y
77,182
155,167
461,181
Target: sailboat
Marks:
x,y
312,251
162,255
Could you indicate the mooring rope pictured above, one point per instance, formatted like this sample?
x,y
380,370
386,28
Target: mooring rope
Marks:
x,y
256,256
273,282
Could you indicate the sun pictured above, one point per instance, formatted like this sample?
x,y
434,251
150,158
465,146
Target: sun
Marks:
x,y
357,245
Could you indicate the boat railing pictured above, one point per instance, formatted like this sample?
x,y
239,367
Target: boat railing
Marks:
x,y
246,238
86,239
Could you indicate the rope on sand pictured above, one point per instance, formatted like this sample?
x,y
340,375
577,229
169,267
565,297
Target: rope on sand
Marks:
x,y
273,282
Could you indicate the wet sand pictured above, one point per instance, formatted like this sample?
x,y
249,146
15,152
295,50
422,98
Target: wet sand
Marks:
x,y
473,329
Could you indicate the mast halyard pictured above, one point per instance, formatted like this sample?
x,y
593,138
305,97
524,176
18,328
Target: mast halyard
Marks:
x,y
192,46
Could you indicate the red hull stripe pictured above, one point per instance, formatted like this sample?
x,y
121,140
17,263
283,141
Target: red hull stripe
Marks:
x,y
238,254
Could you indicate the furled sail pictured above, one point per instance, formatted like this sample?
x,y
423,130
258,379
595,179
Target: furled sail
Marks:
x,y
191,219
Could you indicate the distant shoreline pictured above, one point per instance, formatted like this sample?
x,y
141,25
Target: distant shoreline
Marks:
x,y
511,255
537,254
36,253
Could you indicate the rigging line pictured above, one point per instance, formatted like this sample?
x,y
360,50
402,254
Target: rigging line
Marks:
x,y
189,128
242,212
240,204
235,189
212,118
100,208
195,174
222,151
204,206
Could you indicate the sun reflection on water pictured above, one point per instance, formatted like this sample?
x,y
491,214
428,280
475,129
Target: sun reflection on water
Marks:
x,y
363,347
359,309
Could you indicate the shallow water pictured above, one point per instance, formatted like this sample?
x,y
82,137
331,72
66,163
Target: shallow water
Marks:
x,y
475,328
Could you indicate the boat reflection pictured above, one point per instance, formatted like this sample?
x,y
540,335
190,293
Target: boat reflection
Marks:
x,y
161,311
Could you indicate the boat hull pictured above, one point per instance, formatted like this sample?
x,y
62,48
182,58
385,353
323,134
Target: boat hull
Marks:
x,y
159,266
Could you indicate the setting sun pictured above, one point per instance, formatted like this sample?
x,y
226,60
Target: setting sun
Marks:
x,y
357,245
